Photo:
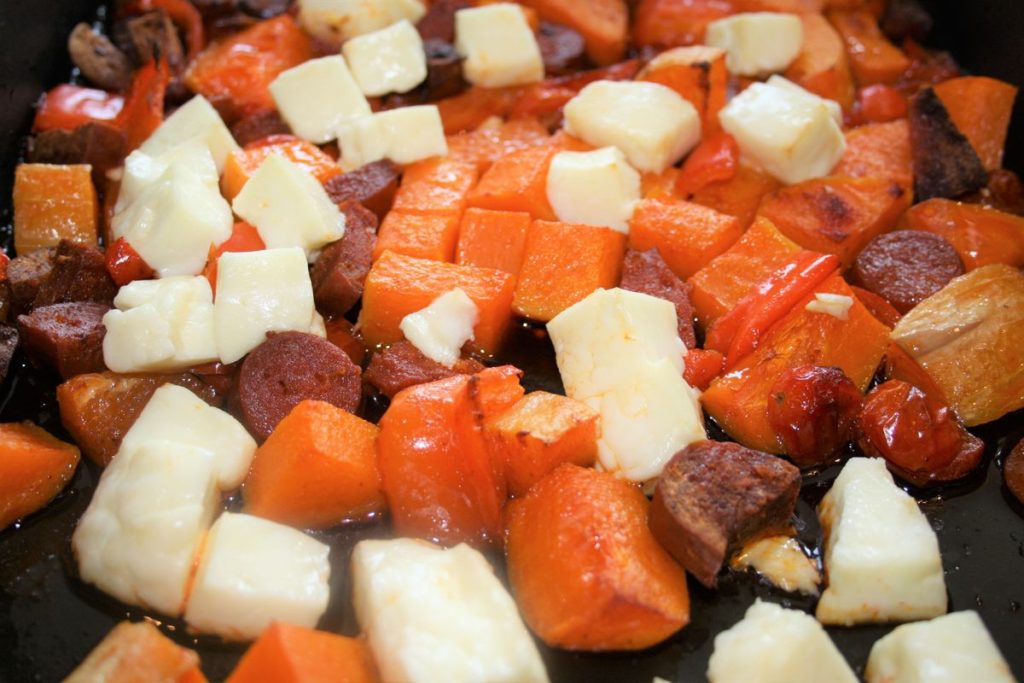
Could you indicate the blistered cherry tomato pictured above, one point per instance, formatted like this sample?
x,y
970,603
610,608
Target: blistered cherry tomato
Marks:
x,y
880,103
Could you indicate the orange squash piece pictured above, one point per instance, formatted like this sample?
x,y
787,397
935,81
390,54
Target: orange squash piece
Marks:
x,y
872,57
243,163
822,65
517,182
563,263
879,150
493,239
52,203
339,333
979,234
427,236
539,433
671,23
398,285
440,478
738,399
34,467
586,571
790,6
134,652
317,469
435,186
739,196
474,106
285,653
836,215
698,74
981,108
604,24
687,235
660,185
490,142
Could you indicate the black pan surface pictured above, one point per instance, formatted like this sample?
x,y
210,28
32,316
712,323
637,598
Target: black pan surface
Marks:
x,y
49,620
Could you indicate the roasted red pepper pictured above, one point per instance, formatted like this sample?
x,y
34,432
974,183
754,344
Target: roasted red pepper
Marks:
x,y
715,159
143,110
701,366
66,107
125,265
244,237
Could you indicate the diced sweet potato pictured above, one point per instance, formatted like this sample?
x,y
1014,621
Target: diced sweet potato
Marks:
x,y
873,58
687,235
604,24
318,468
586,571
517,182
285,653
243,163
339,333
979,234
822,66
562,264
493,239
34,467
492,141
427,236
879,150
435,186
473,107
660,185
945,163
137,652
698,74
671,23
539,433
981,108
739,196
53,203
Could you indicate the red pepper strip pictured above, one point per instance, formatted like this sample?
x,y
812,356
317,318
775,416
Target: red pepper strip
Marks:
x,y
739,331
713,160
550,95
244,237
125,265
66,107
880,103
143,111
4,260
701,366
184,14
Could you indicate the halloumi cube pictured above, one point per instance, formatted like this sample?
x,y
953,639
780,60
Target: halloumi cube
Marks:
x,y
389,60
776,645
834,107
431,614
288,207
254,571
402,135
260,292
498,46
142,170
316,96
757,43
791,135
339,20
196,119
652,125
441,328
881,555
594,188
948,649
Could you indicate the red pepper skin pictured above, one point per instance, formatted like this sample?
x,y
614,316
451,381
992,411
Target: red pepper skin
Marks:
x,y
701,367
67,107
125,265
244,237
715,159
143,110
880,104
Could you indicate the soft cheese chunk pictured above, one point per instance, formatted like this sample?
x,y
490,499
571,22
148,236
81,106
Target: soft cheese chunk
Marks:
x,y
836,305
757,43
439,615
315,96
142,170
595,188
791,135
881,555
254,571
403,135
498,46
388,60
196,119
948,649
776,645
338,20
652,125
288,207
440,329
160,325
260,292
834,108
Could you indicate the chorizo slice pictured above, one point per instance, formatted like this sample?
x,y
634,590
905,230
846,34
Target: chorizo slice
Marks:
x,y
67,337
561,48
647,273
255,127
402,365
372,185
1013,471
906,267
340,269
99,60
439,21
97,144
79,273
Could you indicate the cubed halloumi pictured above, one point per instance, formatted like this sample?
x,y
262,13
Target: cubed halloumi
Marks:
x,y
288,207
431,614
254,571
498,46
791,135
339,20
594,188
948,649
403,135
196,119
776,645
834,108
757,43
441,328
652,125
388,60
881,555
836,305
142,170
316,96
260,292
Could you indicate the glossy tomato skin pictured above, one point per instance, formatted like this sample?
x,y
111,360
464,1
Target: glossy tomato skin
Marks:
x,y
813,411
714,160
67,107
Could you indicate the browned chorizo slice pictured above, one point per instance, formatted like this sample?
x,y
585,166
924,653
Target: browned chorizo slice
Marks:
x,y
714,496
153,35
646,272
26,273
264,9
906,267
1013,471
291,367
79,273
98,59
99,145
258,126
372,185
561,48
340,270
67,337
402,365
8,344
439,21
945,164
444,71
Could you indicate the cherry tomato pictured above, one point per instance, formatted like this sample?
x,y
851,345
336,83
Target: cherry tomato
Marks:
x,y
66,107
715,159
880,103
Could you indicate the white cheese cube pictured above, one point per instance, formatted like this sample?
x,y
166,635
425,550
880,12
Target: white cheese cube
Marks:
x,y
431,614
362,141
315,96
834,108
196,119
288,207
652,125
792,136
757,43
782,562
776,645
254,571
594,188
403,135
498,46
139,536
177,416
142,170
260,292
388,60
338,20
138,340
836,305
441,328
948,649
881,555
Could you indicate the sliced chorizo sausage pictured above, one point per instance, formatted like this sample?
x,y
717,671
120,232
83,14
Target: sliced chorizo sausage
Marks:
x,y
26,273
79,273
67,337
257,126
340,270
372,185
647,273
561,48
906,267
402,365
